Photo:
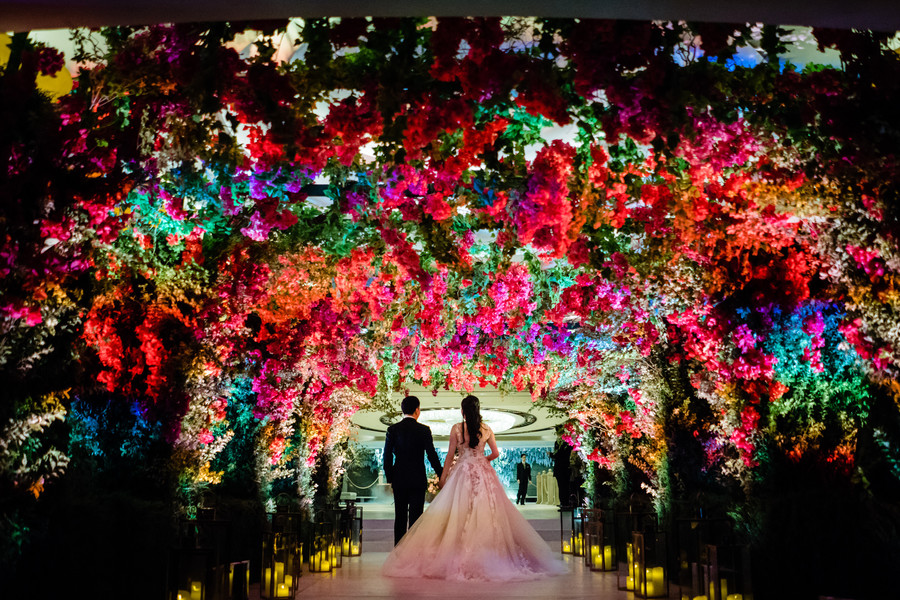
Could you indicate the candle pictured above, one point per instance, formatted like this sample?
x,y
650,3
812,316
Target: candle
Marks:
x,y
629,583
354,550
196,590
723,588
279,572
267,579
322,562
283,591
183,595
655,581
289,580
735,597
335,556
567,547
607,557
595,555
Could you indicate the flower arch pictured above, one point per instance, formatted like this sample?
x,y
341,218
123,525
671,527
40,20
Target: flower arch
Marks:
x,y
627,219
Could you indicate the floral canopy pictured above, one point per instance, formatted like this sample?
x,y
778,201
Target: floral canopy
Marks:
x,y
253,230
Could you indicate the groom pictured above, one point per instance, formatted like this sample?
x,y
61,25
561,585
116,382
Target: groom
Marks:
x,y
405,446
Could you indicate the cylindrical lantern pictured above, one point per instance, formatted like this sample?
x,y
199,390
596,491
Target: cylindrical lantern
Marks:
x,y
193,564
191,574
282,559
577,531
565,529
650,577
726,573
320,547
591,519
335,516
692,535
625,524
237,581
351,531
599,548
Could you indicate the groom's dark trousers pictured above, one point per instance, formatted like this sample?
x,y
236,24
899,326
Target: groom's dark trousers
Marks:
x,y
405,447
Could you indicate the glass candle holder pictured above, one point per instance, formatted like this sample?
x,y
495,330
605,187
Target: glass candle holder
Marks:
x,y
692,535
236,582
625,524
725,573
600,553
282,559
191,574
351,532
565,529
335,516
577,539
320,547
649,555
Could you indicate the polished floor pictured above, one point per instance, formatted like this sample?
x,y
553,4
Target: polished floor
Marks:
x,y
360,578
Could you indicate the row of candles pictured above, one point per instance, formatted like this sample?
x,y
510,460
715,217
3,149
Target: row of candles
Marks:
x,y
328,557
642,571
654,580
654,577
723,592
284,583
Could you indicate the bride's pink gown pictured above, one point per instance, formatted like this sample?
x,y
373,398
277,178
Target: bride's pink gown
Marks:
x,y
472,531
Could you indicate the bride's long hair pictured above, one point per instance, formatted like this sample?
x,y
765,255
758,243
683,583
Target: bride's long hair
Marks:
x,y
471,409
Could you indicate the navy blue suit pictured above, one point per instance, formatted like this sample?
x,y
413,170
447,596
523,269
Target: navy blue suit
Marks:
x,y
405,447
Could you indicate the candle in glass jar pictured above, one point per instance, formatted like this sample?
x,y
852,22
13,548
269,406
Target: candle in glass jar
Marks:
x,y
335,556
655,581
324,561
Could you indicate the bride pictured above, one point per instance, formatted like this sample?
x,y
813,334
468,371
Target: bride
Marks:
x,y
471,530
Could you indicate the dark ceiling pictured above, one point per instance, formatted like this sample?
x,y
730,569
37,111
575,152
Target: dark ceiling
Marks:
x,y
21,15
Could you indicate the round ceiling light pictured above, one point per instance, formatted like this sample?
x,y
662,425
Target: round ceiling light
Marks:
x,y
442,419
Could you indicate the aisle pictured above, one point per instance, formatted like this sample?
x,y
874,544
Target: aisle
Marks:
x,y
360,578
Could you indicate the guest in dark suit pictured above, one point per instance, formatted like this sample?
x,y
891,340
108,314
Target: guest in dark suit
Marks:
x,y
523,476
405,447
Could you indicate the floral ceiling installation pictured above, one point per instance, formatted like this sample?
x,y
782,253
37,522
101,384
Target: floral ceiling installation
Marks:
x,y
203,225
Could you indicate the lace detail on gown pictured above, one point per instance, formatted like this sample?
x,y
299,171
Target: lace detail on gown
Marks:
x,y
471,530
